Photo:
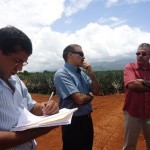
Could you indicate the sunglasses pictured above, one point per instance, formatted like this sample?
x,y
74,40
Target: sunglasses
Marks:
x,y
79,53
142,53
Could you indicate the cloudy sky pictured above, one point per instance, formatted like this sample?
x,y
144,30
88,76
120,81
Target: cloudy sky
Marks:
x,y
106,29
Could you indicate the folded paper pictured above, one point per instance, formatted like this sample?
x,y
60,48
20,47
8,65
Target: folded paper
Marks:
x,y
28,121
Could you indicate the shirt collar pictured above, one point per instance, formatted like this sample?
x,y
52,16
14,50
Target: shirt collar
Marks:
x,y
11,80
138,67
71,67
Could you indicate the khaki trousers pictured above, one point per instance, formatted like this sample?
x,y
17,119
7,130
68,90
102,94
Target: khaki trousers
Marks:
x,y
133,126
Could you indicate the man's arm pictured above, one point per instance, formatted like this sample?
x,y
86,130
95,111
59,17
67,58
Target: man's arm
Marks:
x,y
10,139
81,99
140,85
131,82
95,85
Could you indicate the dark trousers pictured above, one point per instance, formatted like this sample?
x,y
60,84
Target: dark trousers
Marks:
x,y
79,134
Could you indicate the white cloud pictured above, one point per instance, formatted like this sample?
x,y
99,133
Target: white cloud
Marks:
x,y
108,39
73,6
29,12
99,42
136,1
110,3
111,21
68,21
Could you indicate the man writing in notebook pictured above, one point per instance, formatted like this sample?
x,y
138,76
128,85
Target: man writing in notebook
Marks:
x,y
15,48
76,89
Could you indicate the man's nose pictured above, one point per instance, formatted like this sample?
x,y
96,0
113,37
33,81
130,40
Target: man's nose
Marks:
x,y
19,67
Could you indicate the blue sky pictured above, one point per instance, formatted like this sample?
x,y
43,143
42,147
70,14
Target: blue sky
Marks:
x,y
134,13
106,29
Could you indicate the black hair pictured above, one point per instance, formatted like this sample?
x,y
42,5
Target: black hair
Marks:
x,y
11,38
69,48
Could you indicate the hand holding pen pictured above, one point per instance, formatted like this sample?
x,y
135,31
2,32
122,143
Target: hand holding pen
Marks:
x,y
50,107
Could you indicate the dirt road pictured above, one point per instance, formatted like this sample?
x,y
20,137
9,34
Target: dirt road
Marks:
x,y
108,125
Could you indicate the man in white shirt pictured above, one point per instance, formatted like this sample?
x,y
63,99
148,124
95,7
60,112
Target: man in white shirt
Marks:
x,y
15,48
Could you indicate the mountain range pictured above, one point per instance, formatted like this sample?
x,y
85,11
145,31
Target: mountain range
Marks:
x,y
111,65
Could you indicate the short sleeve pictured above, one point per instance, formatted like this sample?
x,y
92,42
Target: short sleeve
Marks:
x,y
27,99
129,74
64,84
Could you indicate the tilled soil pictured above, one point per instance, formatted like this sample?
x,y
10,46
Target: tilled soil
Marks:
x,y
108,125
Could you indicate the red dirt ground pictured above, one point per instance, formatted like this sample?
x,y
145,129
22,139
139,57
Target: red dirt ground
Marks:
x,y
108,125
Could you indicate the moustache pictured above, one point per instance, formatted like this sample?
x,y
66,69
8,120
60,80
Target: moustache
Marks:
x,y
140,59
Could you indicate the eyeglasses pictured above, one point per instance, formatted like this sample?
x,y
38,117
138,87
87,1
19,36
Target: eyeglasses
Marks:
x,y
79,53
18,61
21,63
142,53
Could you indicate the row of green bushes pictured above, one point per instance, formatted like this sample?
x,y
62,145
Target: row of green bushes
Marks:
x,y
111,82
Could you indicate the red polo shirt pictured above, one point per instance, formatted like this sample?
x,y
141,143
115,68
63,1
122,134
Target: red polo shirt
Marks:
x,y
136,103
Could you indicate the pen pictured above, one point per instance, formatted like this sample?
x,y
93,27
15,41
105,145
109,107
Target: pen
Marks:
x,y
50,98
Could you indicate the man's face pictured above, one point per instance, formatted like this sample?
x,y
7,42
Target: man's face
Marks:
x,y
77,57
143,56
11,63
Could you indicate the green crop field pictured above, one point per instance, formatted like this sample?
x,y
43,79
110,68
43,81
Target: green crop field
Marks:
x,y
111,82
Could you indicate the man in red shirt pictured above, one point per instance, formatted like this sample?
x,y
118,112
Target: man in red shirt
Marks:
x,y
137,98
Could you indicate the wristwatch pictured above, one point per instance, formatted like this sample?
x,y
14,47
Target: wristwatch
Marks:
x,y
145,83
91,95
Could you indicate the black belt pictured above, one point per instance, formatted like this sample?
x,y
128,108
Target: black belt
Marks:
x,y
83,116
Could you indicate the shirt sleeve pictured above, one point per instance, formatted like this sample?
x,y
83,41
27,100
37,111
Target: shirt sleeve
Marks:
x,y
129,74
27,99
64,84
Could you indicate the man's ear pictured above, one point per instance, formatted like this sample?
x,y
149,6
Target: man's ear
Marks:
x,y
69,54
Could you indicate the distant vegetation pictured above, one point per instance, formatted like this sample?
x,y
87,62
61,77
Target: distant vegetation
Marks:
x,y
111,82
